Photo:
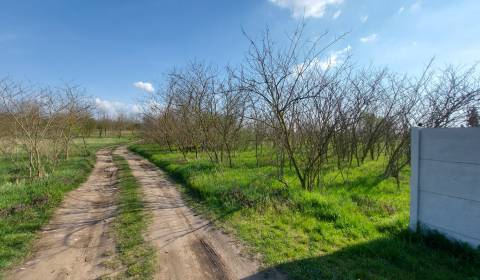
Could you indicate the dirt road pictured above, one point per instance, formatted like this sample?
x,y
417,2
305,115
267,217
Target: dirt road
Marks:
x,y
77,241
188,247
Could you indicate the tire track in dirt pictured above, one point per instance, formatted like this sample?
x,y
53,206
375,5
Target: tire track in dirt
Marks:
x,y
78,240
188,246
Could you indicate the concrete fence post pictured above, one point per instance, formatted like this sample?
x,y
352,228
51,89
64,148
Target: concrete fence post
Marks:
x,y
415,176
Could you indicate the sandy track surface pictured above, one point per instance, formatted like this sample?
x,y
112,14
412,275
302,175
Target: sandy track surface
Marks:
x,y
77,241
188,246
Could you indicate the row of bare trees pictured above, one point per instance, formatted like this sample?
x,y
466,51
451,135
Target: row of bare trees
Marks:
x,y
196,112
38,125
308,111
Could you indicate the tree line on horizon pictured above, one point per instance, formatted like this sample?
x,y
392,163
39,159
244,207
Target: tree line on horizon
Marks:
x,y
38,126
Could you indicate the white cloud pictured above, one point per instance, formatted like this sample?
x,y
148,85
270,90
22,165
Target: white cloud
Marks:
x,y
369,39
364,18
115,108
337,14
145,86
335,58
402,8
306,8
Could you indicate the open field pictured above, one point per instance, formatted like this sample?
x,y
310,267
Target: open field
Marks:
x,y
27,205
353,230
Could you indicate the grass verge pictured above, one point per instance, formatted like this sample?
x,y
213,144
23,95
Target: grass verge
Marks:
x,y
27,205
135,254
354,227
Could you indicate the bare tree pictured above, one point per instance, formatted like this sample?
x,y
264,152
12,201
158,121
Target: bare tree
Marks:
x,y
32,114
284,81
472,117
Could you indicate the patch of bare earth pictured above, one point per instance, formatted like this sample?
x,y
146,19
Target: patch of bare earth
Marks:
x,y
188,246
78,241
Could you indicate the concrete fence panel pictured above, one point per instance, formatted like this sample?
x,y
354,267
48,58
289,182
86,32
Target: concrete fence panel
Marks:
x,y
445,182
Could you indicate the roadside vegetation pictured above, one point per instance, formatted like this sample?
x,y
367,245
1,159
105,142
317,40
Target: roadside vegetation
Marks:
x,y
27,204
136,255
47,148
349,229
308,160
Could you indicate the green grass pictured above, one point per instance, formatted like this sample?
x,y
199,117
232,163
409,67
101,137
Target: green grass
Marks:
x,y
353,227
136,255
27,205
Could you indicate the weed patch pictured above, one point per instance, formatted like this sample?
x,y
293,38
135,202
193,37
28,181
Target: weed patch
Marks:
x,y
354,227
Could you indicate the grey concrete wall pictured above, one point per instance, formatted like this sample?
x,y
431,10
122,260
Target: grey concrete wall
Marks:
x,y
445,182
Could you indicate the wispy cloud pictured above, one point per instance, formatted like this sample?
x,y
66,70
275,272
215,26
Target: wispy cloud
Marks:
x,y
337,14
115,108
145,86
307,8
415,7
370,38
364,18
334,58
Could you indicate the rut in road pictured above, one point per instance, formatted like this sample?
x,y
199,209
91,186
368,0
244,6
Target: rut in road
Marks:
x,y
188,246
77,240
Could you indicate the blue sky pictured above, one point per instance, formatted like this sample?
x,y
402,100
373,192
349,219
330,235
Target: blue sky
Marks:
x,y
109,46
